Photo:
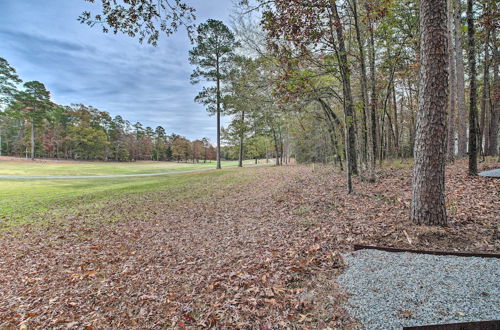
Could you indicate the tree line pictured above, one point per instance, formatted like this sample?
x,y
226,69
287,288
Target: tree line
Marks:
x,y
31,125
356,82
350,82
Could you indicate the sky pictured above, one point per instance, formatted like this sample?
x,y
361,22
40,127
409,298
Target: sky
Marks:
x,y
44,41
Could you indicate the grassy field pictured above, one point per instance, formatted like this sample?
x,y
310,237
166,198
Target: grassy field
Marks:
x,y
18,167
30,201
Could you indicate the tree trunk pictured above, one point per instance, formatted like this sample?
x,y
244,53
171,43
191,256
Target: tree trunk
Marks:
x,y
350,140
32,140
462,118
485,98
335,125
396,121
495,108
452,88
428,202
276,150
240,160
373,106
473,92
218,115
364,84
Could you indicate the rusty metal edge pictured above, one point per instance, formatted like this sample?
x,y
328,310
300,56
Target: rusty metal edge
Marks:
x,y
481,325
439,253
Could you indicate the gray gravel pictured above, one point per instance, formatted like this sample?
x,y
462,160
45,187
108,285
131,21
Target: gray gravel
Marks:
x,y
391,290
492,173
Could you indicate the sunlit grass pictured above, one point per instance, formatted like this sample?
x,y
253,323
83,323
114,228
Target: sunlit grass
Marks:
x,y
26,201
62,168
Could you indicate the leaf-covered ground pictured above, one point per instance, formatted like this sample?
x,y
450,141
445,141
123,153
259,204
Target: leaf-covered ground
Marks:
x,y
260,251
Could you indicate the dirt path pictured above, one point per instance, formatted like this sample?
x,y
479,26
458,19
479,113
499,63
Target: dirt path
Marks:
x,y
260,253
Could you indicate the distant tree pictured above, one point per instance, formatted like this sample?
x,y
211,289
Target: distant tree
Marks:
x,y
306,25
142,18
212,55
211,153
8,87
206,145
240,99
428,203
149,140
181,148
197,150
32,104
8,82
160,143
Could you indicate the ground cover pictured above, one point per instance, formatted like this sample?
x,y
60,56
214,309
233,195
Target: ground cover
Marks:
x,y
21,167
258,247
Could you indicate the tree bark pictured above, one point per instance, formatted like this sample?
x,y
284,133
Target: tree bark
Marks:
x,y
218,115
452,88
350,140
32,140
240,161
495,108
428,202
364,84
396,122
473,91
462,118
373,105
483,131
334,125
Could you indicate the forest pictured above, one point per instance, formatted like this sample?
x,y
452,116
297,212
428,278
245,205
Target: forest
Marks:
x,y
374,205
335,85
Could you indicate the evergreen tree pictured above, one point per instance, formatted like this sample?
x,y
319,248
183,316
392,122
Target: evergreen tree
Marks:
x,y
212,56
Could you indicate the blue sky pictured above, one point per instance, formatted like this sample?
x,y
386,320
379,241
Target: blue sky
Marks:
x,y
44,41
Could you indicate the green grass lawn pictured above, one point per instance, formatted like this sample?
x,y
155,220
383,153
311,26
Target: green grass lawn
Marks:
x,y
49,168
30,201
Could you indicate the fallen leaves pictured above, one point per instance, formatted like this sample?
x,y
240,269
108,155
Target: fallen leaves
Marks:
x,y
260,254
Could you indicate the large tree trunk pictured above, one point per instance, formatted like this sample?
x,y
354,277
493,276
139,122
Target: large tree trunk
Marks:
x,y
373,105
350,140
218,116
428,202
462,118
364,84
473,92
495,108
452,87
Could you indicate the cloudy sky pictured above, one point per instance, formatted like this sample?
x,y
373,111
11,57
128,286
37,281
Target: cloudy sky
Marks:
x,y
44,41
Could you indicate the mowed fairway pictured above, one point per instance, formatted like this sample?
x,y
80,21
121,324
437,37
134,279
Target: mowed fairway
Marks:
x,y
16,167
28,201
